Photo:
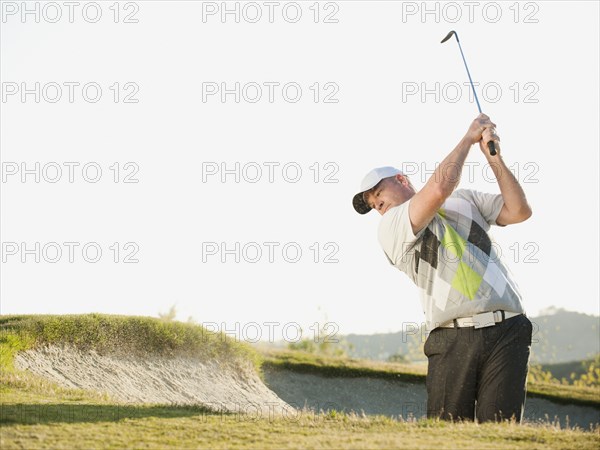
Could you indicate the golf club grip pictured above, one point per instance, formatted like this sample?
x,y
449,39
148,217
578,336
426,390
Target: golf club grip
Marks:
x,y
492,148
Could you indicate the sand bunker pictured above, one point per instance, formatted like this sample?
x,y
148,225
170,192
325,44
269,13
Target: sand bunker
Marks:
x,y
179,380
398,399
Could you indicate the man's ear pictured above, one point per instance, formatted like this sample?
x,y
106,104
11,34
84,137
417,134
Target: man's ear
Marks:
x,y
401,179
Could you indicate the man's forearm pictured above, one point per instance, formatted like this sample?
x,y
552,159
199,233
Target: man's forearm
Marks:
x,y
447,175
513,195
425,203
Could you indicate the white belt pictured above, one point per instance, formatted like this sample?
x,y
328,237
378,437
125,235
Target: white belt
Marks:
x,y
481,320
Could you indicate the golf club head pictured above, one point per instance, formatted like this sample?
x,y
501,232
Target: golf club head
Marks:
x,y
449,35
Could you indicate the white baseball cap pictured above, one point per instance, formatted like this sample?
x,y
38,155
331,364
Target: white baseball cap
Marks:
x,y
369,181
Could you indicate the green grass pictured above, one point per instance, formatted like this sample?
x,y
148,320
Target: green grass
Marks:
x,y
126,335
54,421
332,366
35,413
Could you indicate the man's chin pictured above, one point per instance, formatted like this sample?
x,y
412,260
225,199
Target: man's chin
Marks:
x,y
392,205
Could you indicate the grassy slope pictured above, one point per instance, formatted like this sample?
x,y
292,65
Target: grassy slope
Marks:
x,y
128,335
38,414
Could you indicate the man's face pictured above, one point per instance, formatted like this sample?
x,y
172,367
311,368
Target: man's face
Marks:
x,y
391,192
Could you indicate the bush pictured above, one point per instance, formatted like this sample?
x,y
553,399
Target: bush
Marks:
x,y
591,377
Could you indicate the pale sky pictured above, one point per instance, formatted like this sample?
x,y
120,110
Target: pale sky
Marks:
x,y
367,85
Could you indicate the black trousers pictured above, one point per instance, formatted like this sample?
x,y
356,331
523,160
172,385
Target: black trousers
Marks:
x,y
478,373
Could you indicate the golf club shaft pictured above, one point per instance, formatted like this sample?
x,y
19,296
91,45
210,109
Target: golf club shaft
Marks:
x,y
491,145
469,74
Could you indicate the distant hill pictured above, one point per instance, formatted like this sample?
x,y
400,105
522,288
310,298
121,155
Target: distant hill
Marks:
x,y
563,336
559,336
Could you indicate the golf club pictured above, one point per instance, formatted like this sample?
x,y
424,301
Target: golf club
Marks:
x,y
491,145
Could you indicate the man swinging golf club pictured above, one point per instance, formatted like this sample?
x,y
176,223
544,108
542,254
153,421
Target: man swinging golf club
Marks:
x,y
478,347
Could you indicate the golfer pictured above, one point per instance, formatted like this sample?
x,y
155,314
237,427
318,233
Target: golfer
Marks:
x,y
479,340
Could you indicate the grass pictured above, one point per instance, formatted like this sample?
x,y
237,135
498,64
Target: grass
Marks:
x,y
126,335
332,366
35,413
62,424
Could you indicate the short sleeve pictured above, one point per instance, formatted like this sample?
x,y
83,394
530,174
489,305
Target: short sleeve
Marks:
x,y
489,205
395,233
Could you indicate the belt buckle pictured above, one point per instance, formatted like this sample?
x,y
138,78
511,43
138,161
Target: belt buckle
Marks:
x,y
483,320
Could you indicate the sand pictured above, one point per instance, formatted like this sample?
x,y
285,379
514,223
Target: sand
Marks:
x,y
154,379
399,400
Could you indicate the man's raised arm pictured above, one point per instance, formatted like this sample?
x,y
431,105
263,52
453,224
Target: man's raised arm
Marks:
x,y
446,177
515,209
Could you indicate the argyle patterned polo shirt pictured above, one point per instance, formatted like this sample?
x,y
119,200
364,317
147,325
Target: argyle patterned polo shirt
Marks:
x,y
453,260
